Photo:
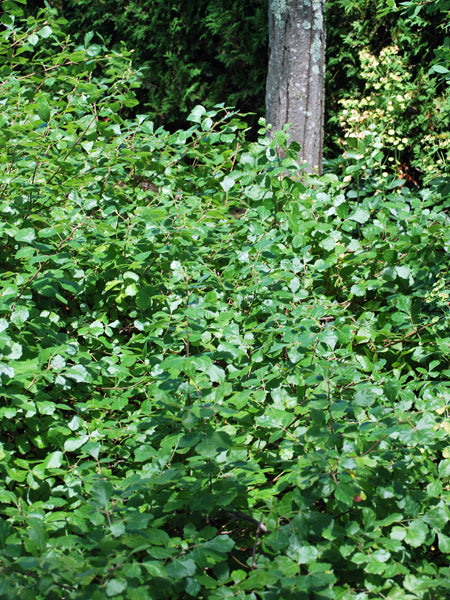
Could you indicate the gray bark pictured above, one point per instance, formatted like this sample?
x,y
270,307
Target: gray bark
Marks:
x,y
295,89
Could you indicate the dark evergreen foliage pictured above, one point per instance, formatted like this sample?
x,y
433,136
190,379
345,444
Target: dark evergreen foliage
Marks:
x,y
189,52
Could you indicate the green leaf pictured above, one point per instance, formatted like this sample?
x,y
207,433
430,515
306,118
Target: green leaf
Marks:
x,y
33,39
93,50
53,460
75,423
216,374
114,587
45,32
444,543
381,555
102,491
221,543
227,183
6,372
416,533
440,69
444,468
358,290
5,531
398,533
301,552
192,587
345,493
328,243
437,517
20,315
156,569
391,389
181,568
197,113
366,396
403,272
73,444
43,110
294,284
361,215
214,442
27,234
77,373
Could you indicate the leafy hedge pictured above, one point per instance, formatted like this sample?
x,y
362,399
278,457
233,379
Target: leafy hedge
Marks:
x,y
219,378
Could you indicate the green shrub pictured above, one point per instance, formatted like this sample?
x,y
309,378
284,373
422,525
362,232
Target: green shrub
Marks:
x,y
218,378
417,147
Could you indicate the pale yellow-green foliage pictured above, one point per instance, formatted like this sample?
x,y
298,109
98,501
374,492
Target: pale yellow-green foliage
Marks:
x,y
380,118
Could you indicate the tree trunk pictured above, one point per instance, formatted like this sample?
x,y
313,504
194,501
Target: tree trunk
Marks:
x,y
295,88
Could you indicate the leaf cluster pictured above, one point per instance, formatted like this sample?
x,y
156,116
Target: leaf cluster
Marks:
x,y
390,75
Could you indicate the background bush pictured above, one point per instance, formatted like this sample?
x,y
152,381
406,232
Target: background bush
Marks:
x,y
190,53
210,52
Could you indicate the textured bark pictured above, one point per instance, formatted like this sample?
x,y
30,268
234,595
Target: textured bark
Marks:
x,y
295,86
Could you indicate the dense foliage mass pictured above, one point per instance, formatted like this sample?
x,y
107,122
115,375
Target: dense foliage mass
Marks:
x,y
189,52
219,379
387,68
388,73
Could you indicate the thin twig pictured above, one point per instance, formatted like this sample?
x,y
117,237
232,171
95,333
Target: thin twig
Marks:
x,y
42,265
237,514
71,149
256,543
408,335
126,387
234,156
374,445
